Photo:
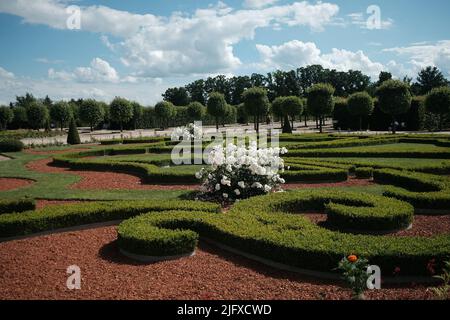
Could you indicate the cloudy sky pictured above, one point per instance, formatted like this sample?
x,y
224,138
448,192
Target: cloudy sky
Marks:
x,y
138,48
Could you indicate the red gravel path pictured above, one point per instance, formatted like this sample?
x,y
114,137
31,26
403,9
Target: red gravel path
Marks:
x,y
36,269
99,180
351,182
13,183
45,203
423,226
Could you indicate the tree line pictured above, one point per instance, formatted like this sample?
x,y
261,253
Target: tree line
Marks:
x,y
312,92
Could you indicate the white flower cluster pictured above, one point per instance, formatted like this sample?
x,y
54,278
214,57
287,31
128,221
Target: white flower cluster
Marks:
x,y
188,133
241,172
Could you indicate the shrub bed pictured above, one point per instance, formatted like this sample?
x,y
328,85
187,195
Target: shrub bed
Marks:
x,y
69,215
21,205
11,145
266,226
423,191
364,172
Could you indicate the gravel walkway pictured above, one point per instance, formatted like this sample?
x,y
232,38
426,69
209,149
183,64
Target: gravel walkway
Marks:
x,y
35,268
100,180
7,184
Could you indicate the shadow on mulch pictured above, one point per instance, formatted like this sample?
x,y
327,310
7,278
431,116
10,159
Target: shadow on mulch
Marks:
x,y
110,252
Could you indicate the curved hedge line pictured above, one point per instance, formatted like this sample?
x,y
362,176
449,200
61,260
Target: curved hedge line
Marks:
x,y
268,227
423,191
69,215
21,205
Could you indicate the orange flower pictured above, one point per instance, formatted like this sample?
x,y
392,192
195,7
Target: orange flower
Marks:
x,y
352,258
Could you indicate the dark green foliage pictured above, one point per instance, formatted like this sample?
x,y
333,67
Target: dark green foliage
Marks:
x,y
364,172
73,138
341,115
216,107
60,112
360,104
196,111
416,115
121,111
164,111
37,115
177,96
11,145
21,205
91,112
438,102
6,117
394,98
320,101
429,78
256,104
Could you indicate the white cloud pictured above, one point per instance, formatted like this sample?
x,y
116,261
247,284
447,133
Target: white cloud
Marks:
x,y
180,44
256,4
48,61
98,71
424,54
294,54
4,74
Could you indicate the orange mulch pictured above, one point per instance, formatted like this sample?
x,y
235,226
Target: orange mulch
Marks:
x,y
13,183
99,180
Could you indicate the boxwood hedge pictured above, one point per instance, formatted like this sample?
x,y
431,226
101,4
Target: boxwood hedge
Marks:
x,y
20,205
271,228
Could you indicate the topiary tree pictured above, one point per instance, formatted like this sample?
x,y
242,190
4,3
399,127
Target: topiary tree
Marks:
x,y
6,117
37,115
416,115
241,114
216,106
164,111
438,103
292,106
394,98
73,137
277,108
60,112
256,103
341,114
196,111
121,111
360,104
91,112
138,111
320,101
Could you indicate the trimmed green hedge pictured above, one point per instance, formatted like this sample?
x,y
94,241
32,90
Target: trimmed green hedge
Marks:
x,y
364,172
56,217
423,191
21,205
308,173
270,227
11,145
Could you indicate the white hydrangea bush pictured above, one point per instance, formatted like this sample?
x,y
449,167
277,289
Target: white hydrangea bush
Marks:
x,y
188,133
241,172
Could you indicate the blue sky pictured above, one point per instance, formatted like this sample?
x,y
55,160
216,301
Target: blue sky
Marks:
x,y
138,48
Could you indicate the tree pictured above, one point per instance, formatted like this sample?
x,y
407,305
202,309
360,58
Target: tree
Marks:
x,y
177,96
6,117
438,103
37,115
256,103
25,101
360,104
430,78
394,98
138,111
216,107
292,106
196,111
20,119
164,111
277,108
121,111
320,101
73,137
196,91
60,112
384,76
286,127
91,112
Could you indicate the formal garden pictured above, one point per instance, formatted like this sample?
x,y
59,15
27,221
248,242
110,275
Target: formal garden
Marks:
x,y
288,216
